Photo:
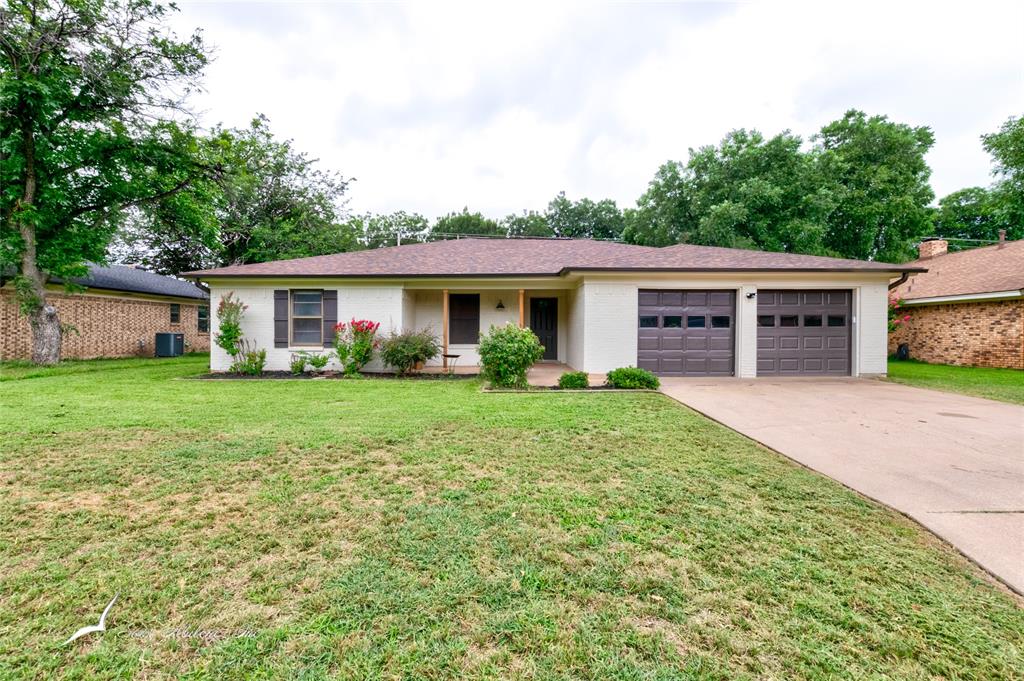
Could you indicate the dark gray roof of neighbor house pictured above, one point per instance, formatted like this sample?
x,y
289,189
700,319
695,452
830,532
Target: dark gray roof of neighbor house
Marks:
x,y
133,280
537,257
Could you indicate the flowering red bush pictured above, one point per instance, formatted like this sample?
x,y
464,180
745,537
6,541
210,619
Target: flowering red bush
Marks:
x,y
896,315
354,343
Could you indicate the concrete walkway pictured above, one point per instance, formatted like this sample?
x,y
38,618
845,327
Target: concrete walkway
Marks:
x,y
953,463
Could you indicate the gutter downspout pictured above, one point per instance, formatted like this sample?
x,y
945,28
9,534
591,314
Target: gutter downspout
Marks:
x,y
902,279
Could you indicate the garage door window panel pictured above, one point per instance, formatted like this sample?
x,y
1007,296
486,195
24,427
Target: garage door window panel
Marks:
x,y
789,320
648,321
672,322
812,320
695,322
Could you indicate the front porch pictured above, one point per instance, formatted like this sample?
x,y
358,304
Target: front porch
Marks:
x,y
458,317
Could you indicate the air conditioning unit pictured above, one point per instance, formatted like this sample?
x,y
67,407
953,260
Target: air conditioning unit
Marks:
x,y
170,344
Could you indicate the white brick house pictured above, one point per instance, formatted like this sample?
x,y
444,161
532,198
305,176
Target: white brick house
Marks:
x,y
681,310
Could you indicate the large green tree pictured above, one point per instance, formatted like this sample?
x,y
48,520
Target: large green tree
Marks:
x,y
878,177
392,229
465,224
584,219
85,89
746,192
526,224
273,202
1007,149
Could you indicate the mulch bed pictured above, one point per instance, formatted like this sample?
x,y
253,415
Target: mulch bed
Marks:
x,y
272,375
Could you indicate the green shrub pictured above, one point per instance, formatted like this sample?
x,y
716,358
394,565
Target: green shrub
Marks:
x,y
229,323
632,378
249,360
507,353
318,361
405,350
297,363
574,380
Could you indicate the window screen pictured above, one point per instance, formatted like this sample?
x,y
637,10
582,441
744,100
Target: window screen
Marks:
x,y
464,318
203,313
307,317
175,313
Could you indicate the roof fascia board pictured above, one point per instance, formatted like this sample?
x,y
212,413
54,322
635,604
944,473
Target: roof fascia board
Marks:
x,y
965,298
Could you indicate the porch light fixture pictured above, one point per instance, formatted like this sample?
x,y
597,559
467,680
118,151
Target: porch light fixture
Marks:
x,y
751,295
501,305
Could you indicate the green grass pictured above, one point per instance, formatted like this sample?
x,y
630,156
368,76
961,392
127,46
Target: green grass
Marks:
x,y
425,530
1006,385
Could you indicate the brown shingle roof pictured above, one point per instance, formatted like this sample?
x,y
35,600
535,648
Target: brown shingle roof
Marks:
x,y
979,270
699,258
531,257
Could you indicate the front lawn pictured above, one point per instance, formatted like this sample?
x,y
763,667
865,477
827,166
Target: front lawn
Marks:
x,y
1006,385
396,529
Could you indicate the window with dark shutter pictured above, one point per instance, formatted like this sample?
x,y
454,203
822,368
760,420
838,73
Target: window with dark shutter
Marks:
x,y
464,318
307,318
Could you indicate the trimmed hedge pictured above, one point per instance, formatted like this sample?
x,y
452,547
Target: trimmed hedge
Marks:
x,y
632,378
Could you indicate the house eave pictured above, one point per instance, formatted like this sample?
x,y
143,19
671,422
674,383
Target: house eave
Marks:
x,y
966,298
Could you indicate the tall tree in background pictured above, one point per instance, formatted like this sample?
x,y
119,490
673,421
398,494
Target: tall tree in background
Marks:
x,y
393,229
1007,149
747,192
878,176
273,203
584,219
83,87
525,224
465,223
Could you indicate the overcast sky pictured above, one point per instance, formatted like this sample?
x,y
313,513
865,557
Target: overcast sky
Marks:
x,y
436,106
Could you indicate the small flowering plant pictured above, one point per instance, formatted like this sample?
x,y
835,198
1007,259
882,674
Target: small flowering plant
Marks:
x,y
897,316
354,343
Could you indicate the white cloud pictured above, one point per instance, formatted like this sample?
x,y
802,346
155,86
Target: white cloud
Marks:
x,y
433,106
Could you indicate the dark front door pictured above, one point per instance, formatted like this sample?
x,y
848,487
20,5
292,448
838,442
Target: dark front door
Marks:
x,y
686,333
544,323
804,332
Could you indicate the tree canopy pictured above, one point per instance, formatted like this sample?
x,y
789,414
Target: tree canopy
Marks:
x,y
87,90
860,191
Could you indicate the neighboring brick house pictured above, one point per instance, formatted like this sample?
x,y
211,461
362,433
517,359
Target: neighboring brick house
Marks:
x,y
118,315
967,309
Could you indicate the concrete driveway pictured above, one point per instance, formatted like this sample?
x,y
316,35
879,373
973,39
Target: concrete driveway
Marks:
x,y
953,463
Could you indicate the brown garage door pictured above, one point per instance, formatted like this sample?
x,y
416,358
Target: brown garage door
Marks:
x,y
803,332
686,333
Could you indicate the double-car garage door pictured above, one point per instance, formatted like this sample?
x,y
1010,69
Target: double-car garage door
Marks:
x,y
691,333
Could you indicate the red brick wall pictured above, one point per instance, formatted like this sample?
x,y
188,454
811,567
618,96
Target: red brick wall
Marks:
x,y
108,326
967,334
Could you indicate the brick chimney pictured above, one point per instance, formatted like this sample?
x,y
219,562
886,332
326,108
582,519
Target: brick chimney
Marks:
x,y
929,248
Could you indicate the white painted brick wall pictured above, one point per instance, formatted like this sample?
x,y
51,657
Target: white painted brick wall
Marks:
x,y
380,304
575,327
609,324
872,319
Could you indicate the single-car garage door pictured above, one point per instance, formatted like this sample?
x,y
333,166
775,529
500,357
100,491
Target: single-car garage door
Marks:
x,y
803,332
686,333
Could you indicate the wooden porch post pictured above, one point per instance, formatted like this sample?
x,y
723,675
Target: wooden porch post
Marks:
x,y
444,327
522,309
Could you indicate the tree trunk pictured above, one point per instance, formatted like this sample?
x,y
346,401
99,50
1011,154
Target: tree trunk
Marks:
x,y
46,331
46,334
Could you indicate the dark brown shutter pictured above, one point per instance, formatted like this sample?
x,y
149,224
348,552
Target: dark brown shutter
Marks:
x,y
281,318
330,316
